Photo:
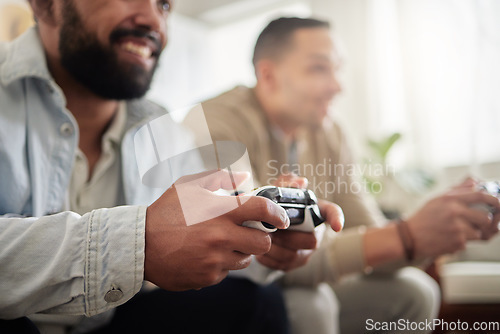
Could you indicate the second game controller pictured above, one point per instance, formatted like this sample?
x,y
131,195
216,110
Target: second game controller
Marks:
x,y
492,188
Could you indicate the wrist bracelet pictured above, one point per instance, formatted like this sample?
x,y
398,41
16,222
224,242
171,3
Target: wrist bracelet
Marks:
x,y
406,239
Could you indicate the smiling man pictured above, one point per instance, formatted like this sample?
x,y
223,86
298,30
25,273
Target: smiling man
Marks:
x,y
79,232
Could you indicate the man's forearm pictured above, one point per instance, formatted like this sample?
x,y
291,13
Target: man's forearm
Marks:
x,y
382,246
67,263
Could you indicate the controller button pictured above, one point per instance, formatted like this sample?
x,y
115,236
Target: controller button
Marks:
x,y
266,225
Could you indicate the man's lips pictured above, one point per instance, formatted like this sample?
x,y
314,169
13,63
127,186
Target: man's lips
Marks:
x,y
143,44
139,49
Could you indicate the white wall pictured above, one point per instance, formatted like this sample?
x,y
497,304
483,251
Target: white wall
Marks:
x,y
349,22
181,78
4,2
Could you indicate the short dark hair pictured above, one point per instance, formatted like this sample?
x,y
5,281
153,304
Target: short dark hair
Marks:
x,y
276,36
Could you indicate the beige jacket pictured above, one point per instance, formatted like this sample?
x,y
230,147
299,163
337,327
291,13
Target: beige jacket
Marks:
x,y
323,157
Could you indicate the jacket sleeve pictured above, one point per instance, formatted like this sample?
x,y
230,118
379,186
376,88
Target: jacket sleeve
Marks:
x,y
71,264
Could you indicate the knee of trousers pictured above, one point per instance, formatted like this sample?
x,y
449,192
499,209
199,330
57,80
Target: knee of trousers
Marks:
x,y
312,308
417,291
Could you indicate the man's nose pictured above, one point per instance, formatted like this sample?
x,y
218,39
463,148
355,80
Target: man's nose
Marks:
x,y
149,16
334,86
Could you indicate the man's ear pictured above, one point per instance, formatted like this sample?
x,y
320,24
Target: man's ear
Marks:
x,y
43,11
265,73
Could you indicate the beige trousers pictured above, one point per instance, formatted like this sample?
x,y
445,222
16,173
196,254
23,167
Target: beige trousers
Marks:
x,y
359,301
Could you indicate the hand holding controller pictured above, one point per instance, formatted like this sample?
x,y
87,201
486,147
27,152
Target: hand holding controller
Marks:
x,y
491,188
301,205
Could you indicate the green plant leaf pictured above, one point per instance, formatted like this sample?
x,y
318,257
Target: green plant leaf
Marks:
x,y
382,147
388,143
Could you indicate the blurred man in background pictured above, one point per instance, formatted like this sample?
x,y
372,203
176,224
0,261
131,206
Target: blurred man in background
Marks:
x,y
285,125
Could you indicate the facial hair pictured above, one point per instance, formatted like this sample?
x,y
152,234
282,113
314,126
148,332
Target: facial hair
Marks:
x,y
96,66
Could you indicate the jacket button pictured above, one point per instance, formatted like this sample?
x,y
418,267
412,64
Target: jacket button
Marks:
x,y
66,129
113,295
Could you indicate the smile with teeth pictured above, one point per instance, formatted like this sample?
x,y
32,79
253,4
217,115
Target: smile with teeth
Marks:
x,y
140,50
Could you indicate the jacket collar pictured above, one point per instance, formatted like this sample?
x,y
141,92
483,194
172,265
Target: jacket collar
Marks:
x,y
24,57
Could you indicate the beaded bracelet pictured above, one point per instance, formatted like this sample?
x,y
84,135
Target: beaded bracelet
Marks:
x,y
406,239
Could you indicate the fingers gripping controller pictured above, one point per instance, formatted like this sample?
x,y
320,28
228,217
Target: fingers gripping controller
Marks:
x,y
301,205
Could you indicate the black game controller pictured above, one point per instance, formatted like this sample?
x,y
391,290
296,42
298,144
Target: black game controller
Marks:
x,y
301,205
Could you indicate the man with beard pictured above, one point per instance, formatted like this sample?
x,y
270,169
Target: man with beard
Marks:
x,y
76,234
284,123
